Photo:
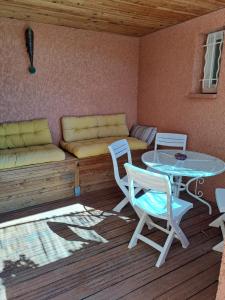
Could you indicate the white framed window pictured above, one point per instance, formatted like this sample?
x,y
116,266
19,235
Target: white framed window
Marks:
x,y
213,51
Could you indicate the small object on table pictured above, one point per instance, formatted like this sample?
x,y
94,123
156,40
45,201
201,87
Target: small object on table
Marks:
x,y
180,156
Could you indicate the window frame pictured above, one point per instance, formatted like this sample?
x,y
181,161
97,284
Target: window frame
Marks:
x,y
214,43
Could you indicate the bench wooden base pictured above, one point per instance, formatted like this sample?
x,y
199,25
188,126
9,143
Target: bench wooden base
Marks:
x,y
36,184
96,172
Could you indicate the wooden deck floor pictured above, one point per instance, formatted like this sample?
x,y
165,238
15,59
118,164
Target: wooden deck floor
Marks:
x,y
111,271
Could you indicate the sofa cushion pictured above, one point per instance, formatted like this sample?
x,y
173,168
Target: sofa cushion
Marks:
x,y
92,127
26,133
93,147
144,133
17,157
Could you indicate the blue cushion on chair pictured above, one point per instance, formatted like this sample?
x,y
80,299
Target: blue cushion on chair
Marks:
x,y
155,204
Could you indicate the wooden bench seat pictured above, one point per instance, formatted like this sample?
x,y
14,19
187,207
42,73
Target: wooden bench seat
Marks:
x,y
96,172
88,137
32,182
35,184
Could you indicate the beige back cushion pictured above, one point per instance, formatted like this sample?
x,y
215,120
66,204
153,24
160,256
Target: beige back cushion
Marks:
x,y
26,133
91,127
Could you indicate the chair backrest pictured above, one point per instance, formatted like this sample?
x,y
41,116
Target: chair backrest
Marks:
x,y
171,140
117,150
149,181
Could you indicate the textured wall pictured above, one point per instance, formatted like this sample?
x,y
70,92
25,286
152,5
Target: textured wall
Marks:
x,y
169,71
78,72
221,288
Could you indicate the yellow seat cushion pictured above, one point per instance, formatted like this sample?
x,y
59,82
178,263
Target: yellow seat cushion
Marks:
x,y
17,157
25,133
93,147
92,127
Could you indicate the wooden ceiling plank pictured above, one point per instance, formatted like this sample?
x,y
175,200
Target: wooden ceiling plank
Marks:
x,y
139,6
64,20
150,9
116,18
129,17
40,11
116,6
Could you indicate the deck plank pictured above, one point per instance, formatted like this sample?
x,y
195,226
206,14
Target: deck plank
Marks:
x,y
207,292
194,285
111,271
178,276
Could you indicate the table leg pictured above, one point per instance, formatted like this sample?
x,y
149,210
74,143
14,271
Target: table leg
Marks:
x,y
198,194
176,185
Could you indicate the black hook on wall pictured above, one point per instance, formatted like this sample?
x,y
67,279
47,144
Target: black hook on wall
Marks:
x,y
29,36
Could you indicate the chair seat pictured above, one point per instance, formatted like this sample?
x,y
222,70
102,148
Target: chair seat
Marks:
x,y
220,199
155,204
17,157
93,147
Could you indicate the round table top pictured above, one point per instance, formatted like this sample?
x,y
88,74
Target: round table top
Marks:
x,y
195,165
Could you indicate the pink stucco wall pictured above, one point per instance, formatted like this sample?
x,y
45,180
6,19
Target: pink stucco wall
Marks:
x,y
78,72
221,287
170,62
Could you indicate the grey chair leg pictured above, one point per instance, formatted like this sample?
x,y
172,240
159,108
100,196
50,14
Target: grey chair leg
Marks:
x,y
133,241
121,205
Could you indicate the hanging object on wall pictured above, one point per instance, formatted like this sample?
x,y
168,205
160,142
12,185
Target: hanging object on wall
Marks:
x,y
29,35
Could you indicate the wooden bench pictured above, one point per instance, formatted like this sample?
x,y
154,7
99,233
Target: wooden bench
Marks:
x,y
35,184
88,137
96,172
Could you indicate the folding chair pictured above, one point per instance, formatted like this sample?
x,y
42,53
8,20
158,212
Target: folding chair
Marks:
x,y
177,140
171,140
158,202
220,221
117,150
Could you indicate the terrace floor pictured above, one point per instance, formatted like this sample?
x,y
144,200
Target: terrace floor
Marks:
x,y
97,263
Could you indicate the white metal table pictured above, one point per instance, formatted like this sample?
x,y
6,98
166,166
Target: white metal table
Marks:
x,y
196,166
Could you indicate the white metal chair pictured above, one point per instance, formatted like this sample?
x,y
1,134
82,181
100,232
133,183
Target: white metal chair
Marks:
x,y
220,221
171,140
158,202
117,150
177,140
